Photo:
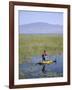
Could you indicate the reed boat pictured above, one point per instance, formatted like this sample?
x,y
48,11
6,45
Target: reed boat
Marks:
x,y
47,62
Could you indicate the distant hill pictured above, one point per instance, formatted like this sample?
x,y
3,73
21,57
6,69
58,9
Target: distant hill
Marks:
x,y
40,28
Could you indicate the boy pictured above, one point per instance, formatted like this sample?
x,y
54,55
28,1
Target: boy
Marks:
x,y
43,55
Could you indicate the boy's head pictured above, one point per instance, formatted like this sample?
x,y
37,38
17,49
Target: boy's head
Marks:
x,y
44,51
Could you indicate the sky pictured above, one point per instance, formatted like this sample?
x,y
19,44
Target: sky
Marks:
x,y
27,17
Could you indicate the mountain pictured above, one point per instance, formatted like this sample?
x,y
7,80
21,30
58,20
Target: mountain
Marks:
x,y
40,28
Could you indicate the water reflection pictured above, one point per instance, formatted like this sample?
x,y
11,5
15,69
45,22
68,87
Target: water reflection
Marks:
x,y
34,70
43,69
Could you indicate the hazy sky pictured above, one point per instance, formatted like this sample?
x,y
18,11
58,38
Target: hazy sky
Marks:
x,y
27,17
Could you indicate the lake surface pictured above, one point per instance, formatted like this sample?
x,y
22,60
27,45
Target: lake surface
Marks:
x,y
31,68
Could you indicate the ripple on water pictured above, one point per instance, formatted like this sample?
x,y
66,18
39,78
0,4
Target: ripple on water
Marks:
x,y
33,70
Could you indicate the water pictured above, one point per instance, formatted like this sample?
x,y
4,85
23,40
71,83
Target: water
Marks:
x,y
31,69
